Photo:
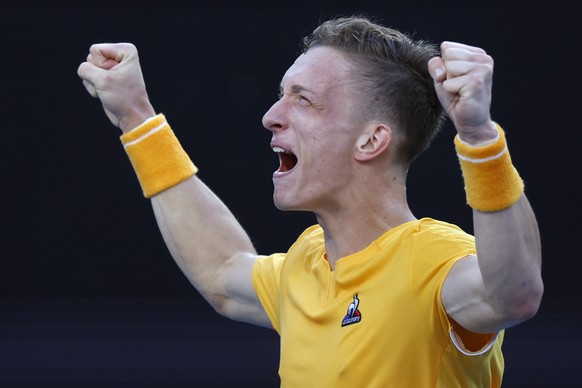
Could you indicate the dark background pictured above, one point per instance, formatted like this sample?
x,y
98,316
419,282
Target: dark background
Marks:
x,y
88,291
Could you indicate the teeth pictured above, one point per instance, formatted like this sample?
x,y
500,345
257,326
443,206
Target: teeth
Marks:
x,y
279,149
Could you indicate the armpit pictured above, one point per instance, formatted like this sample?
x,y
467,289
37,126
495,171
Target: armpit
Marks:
x,y
471,344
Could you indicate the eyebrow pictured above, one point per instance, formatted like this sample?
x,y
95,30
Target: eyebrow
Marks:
x,y
296,89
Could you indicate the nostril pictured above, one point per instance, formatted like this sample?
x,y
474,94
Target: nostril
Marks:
x,y
274,126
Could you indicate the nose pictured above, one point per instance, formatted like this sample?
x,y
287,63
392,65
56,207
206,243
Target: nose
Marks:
x,y
275,119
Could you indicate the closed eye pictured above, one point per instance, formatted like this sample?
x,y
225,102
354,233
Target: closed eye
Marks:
x,y
296,91
307,102
304,99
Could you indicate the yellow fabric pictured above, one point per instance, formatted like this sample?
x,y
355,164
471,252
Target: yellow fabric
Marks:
x,y
157,157
402,338
491,181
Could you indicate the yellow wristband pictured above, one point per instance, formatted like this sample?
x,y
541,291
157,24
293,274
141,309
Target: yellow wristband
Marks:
x,y
157,156
491,181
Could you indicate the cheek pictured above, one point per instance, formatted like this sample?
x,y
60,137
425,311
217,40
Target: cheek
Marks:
x,y
329,161
326,144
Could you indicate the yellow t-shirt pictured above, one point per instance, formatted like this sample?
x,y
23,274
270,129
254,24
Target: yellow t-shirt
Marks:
x,y
377,320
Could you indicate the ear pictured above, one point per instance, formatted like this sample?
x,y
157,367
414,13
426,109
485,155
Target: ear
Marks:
x,y
373,142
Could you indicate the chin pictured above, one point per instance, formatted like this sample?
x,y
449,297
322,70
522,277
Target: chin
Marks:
x,y
281,205
285,204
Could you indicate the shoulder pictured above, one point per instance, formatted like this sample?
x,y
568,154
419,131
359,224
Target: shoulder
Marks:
x,y
311,238
426,231
432,240
435,229
309,241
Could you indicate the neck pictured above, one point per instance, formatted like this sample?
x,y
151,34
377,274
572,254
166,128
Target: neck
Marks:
x,y
350,229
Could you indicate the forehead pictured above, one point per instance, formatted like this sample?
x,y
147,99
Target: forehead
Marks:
x,y
317,70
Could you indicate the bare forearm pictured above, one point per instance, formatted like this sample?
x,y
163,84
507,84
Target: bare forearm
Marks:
x,y
201,234
509,252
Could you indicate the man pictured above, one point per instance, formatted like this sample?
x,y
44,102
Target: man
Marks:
x,y
370,296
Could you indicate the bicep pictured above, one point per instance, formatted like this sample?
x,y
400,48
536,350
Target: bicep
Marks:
x,y
242,302
464,298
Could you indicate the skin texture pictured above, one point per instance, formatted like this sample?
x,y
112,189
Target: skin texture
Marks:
x,y
345,174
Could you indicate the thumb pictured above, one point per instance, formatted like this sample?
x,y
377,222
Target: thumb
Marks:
x,y
436,68
89,73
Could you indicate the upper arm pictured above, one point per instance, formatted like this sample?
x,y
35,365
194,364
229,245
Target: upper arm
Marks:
x,y
465,300
210,247
503,287
463,297
241,302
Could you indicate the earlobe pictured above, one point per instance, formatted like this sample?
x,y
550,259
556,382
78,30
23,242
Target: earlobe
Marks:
x,y
373,142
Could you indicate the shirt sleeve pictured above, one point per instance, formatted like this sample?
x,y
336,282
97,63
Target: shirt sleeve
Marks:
x,y
266,277
437,247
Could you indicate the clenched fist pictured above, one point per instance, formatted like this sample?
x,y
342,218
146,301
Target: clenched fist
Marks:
x,y
113,74
463,77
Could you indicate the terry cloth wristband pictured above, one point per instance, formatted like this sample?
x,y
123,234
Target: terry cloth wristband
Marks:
x,y
157,157
491,181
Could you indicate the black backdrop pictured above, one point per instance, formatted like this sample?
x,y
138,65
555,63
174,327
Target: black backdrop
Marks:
x,y
79,241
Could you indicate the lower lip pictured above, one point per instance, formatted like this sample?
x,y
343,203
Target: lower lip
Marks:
x,y
281,174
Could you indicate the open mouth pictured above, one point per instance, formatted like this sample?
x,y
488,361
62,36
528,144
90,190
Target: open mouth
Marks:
x,y
287,160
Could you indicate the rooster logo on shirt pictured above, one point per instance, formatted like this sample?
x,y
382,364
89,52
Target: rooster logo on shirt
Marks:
x,y
353,315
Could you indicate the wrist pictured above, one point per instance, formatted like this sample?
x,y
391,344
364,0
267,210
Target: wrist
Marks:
x,y
479,136
156,155
491,181
136,118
